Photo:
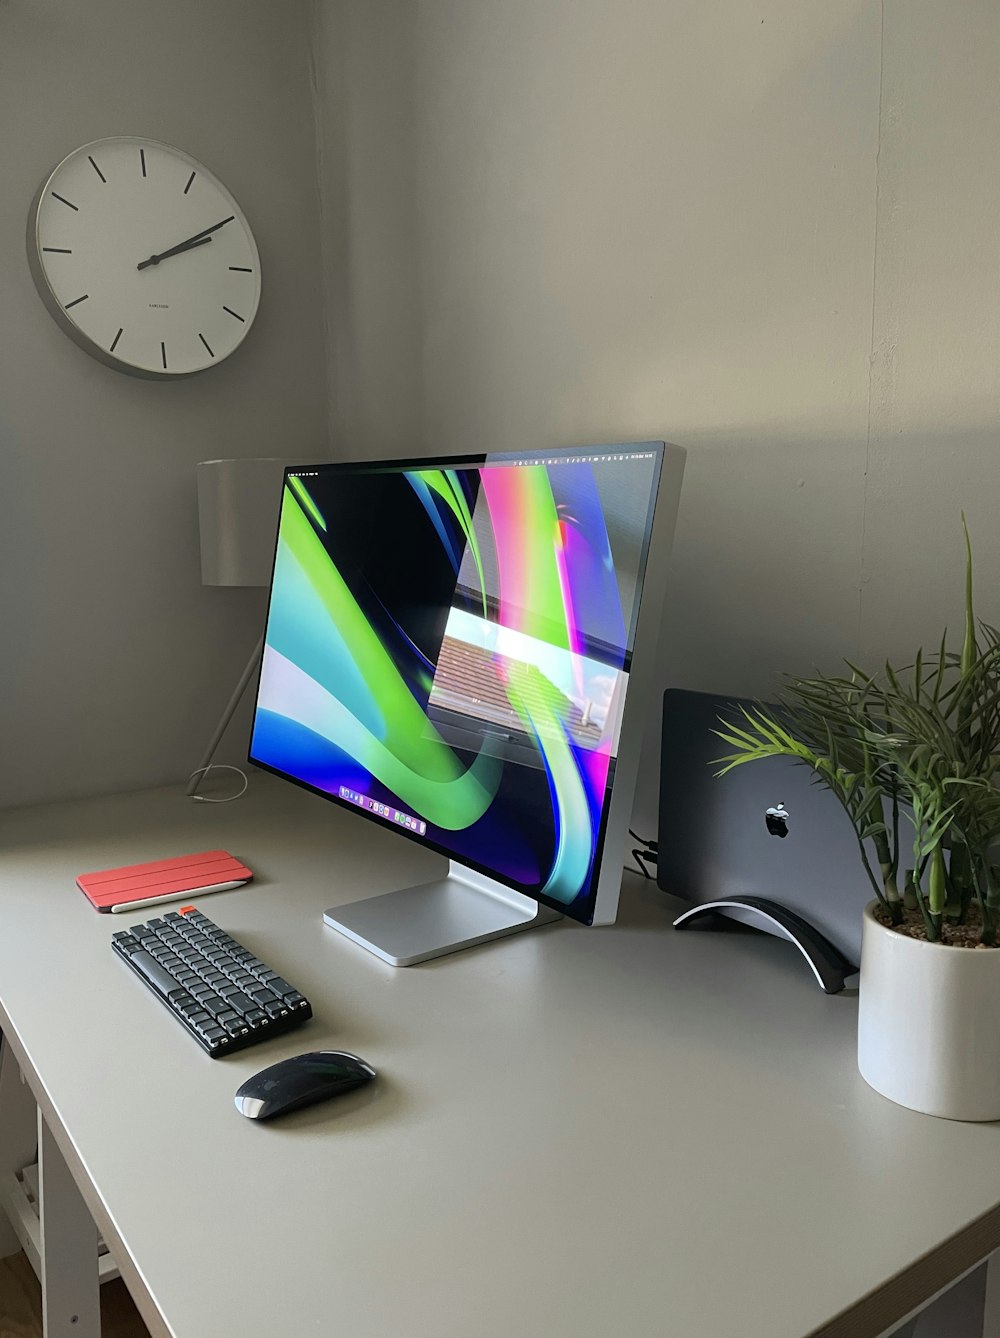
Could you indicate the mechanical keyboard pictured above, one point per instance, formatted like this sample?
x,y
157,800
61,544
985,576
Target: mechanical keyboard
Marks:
x,y
215,987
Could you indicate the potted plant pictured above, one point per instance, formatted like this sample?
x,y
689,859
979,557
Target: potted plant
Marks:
x,y
914,757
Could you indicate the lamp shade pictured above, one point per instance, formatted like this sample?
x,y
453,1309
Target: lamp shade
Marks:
x,y
238,504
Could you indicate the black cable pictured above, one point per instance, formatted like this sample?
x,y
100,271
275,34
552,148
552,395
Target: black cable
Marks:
x,y
646,845
642,857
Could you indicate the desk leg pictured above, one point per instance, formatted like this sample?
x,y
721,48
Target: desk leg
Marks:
x,y
18,1137
991,1302
71,1304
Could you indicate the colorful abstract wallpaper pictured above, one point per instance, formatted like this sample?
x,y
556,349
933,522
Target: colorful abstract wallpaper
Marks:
x,y
448,651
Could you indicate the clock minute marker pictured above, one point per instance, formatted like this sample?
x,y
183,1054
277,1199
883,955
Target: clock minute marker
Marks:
x,y
114,342
76,301
59,250
163,355
62,199
234,313
190,179
206,343
97,169
142,160
242,269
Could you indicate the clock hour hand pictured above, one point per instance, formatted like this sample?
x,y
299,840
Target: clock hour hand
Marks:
x,y
187,244
174,251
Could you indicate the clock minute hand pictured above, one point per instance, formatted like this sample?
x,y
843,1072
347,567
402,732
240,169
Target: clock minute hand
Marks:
x,y
196,240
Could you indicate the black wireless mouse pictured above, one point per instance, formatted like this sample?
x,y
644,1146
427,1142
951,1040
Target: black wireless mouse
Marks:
x,y
301,1081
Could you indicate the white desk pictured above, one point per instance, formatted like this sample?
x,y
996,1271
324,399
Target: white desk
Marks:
x,y
579,1132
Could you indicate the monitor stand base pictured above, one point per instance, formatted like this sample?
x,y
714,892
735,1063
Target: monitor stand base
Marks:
x,y
415,924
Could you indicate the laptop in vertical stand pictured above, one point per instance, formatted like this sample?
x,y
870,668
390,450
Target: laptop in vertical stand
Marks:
x,y
715,841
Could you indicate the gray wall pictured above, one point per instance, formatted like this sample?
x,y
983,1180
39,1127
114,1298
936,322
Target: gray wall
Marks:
x,y
766,233
365,104
116,661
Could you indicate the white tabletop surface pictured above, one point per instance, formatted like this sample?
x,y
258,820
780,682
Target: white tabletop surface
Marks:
x,y
624,1131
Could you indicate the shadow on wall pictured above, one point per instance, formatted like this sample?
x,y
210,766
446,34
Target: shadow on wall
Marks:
x,y
789,557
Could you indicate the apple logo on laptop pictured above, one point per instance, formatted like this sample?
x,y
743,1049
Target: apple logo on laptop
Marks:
x,y
776,819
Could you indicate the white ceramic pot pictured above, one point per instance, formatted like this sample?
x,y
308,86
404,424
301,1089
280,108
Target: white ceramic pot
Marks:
x,y
929,1023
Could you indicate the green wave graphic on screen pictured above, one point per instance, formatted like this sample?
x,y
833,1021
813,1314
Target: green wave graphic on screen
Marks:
x,y
411,757
540,706
446,483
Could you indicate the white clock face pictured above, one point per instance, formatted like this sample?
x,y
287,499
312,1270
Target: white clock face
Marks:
x,y
144,258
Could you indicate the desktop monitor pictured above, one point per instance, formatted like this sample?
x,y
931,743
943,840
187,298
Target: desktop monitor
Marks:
x,y
461,650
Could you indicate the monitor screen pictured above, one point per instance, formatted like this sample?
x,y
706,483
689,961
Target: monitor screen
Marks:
x,y
448,649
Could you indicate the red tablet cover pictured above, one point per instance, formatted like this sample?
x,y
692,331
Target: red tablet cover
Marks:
x,y
161,880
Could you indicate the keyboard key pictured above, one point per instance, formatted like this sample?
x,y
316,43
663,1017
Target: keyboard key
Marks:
x,y
255,1017
214,1004
241,1002
280,987
276,1009
147,965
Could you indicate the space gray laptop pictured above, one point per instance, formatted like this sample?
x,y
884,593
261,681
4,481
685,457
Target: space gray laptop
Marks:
x,y
718,839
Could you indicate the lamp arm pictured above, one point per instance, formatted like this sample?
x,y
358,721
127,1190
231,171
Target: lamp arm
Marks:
x,y
198,776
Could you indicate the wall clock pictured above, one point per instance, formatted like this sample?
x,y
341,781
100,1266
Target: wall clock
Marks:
x,y
144,258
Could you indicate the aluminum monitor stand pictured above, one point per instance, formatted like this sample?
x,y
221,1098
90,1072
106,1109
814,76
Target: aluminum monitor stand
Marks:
x,y
414,924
